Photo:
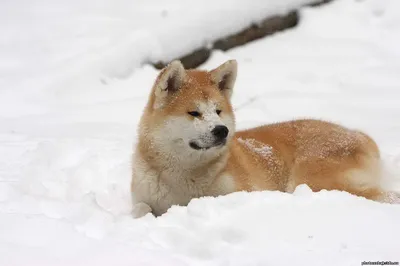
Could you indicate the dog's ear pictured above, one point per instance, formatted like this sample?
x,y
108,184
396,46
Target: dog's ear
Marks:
x,y
225,76
168,82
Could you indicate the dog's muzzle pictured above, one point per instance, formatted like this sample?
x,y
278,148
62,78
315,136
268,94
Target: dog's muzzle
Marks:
x,y
220,133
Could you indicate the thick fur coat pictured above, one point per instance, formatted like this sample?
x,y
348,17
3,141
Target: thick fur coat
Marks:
x,y
188,147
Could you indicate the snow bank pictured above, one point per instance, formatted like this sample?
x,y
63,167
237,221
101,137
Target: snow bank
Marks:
x,y
260,228
67,130
91,43
118,36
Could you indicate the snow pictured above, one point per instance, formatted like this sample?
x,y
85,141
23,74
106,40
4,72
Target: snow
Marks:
x,y
48,45
257,147
72,89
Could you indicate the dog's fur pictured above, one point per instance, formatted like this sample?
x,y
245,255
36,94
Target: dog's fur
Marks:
x,y
178,159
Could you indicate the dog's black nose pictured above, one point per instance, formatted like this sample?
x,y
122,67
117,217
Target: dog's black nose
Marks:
x,y
220,132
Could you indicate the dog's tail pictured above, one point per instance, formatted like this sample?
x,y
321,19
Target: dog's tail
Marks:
x,y
390,179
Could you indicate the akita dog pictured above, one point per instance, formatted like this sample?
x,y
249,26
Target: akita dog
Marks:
x,y
188,148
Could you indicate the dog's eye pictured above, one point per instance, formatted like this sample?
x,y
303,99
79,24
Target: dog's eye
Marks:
x,y
194,113
218,112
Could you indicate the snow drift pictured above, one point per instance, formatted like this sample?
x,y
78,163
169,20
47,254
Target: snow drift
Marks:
x,y
67,126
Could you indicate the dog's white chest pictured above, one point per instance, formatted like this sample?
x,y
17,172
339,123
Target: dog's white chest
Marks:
x,y
162,190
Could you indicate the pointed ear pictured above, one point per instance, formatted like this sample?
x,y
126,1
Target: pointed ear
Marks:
x,y
225,76
168,82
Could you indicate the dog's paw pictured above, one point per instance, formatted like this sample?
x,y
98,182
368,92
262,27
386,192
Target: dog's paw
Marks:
x,y
140,209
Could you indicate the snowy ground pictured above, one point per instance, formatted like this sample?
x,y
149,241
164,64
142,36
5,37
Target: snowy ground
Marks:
x,y
68,121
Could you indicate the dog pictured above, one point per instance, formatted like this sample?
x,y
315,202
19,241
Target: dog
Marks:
x,y
188,147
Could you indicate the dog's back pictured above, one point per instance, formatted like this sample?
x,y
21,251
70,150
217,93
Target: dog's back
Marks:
x,y
320,154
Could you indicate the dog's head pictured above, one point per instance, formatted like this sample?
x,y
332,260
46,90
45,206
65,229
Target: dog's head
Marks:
x,y
189,111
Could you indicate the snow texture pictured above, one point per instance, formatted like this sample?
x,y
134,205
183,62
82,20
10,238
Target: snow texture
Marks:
x,y
257,147
70,103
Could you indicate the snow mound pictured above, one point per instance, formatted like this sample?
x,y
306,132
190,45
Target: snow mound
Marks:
x,y
67,127
89,42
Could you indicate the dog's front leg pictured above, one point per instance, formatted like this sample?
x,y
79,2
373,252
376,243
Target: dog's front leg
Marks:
x,y
140,209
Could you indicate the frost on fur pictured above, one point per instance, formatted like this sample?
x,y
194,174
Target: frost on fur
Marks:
x,y
257,147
